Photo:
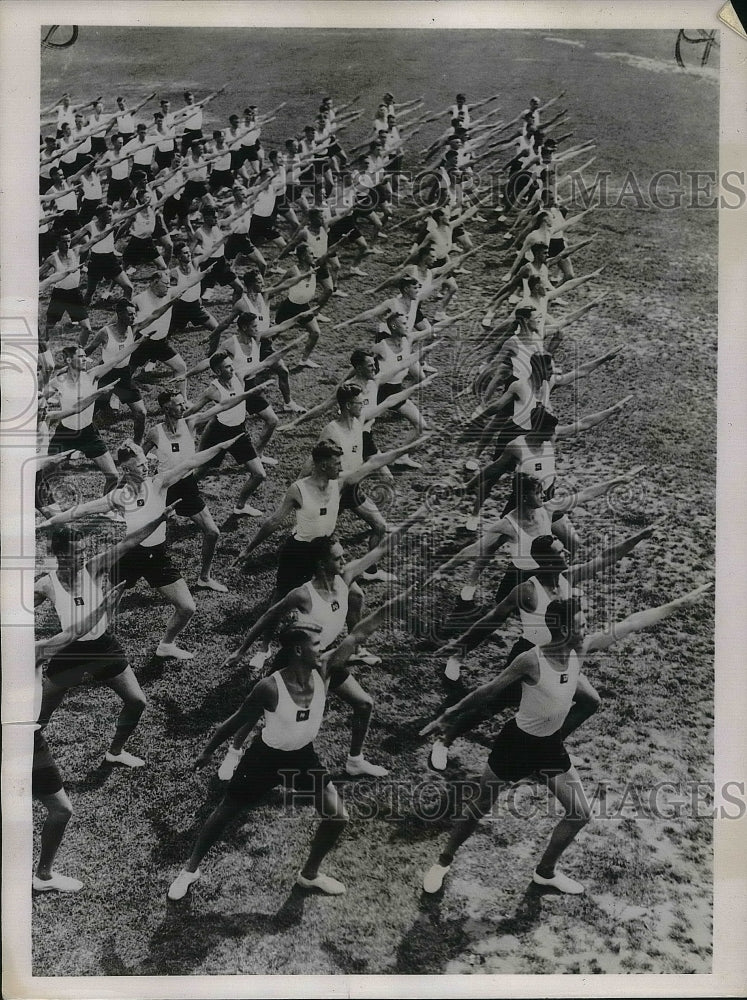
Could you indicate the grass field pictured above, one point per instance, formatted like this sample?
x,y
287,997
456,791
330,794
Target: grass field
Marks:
x,y
648,902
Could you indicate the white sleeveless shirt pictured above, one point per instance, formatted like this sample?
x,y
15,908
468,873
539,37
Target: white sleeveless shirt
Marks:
x,y
520,547
544,705
72,607
171,451
141,505
350,441
329,614
113,347
70,395
533,625
291,727
316,516
236,415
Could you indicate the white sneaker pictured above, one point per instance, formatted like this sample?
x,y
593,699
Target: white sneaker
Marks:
x,y
560,882
472,523
378,576
307,363
150,367
114,403
337,294
230,763
376,251
76,456
123,757
471,464
268,460
486,322
170,650
323,883
434,878
211,584
321,318
130,271
180,886
259,659
430,370
358,766
248,510
358,273
468,592
293,407
57,883
453,668
439,756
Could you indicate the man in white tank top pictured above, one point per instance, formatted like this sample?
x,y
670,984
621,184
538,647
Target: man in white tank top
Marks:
x,y
291,701
532,743
103,260
332,600
66,295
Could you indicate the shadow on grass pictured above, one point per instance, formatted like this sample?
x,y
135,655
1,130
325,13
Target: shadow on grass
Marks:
x,y
96,778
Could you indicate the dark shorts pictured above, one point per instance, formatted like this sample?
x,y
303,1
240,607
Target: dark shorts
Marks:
x,y
262,768
186,492
344,227
390,389
125,390
512,578
295,565
87,210
219,179
150,562
120,189
87,441
152,350
369,445
261,229
238,243
287,310
45,775
517,755
292,193
322,273
241,451
185,313
66,300
189,136
98,144
554,247
101,659
352,497
257,403
217,272
103,265
237,158
508,431
163,158
140,250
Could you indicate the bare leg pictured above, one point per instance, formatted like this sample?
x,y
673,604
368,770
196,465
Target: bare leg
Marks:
x,y
59,814
128,689
255,480
270,420
490,787
184,607
213,827
362,704
106,463
210,535
334,820
568,790
586,701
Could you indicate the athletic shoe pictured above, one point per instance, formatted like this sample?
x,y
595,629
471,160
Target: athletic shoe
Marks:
x,y
560,882
479,218
471,464
439,756
248,510
259,659
407,462
170,650
123,757
375,250
467,593
268,460
358,273
307,363
130,271
76,457
211,584
323,883
293,408
57,883
362,655
150,367
337,294
434,878
180,886
560,302
357,766
486,322
453,668
320,318
463,270
378,576
230,763
472,523
114,403
430,370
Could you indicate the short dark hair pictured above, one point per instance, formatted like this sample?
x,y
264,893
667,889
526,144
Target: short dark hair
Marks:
x,y
358,355
320,549
252,274
325,449
347,393
122,305
165,395
125,453
246,318
559,617
217,359
63,537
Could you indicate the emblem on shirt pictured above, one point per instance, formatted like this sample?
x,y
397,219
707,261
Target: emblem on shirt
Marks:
x,y
78,601
175,447
538,466
302,715
335,605
564,678
140,503
322,511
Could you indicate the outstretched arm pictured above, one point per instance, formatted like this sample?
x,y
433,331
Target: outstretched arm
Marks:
x,y
380,460
612,554
245,718
643,619
592,419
